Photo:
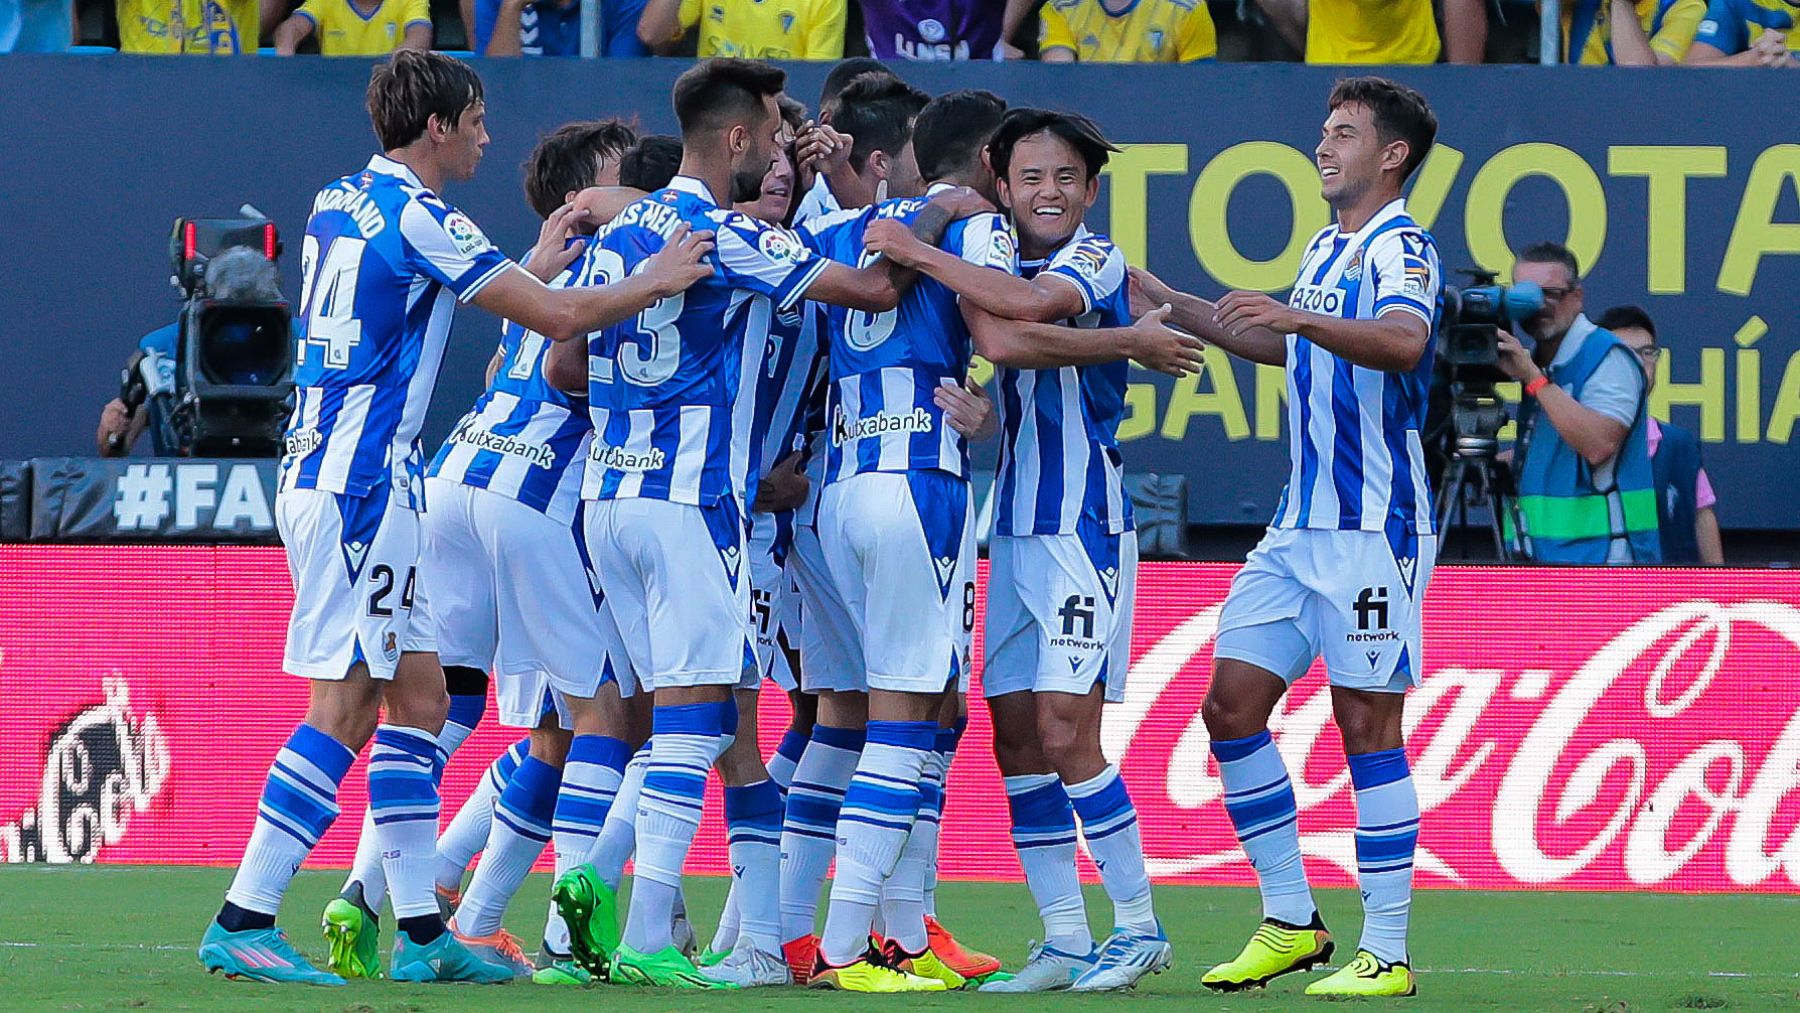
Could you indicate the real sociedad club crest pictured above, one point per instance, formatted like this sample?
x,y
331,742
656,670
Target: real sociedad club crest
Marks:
x,y
1354,271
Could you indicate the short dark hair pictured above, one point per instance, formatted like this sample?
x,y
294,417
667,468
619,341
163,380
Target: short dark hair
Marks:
x,y
1627,316
877,111
1552,253
569,158
1081,133
1400,113
793,111
847,71
413,85
952,130
711,94
651,162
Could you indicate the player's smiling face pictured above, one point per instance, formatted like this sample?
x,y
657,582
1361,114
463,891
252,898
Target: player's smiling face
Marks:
x,y
1349,154
777,191
1048,190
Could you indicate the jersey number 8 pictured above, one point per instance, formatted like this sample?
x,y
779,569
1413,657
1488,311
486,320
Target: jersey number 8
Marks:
x,y
863,330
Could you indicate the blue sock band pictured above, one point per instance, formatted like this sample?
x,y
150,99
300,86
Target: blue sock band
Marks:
x,y
920,735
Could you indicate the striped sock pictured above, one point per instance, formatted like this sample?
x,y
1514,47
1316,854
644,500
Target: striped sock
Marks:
x,y
879,808
618,837
684,742
460,723
403,792
1387,833
786,760
903,895
753,821
947,741
520,832
299,801
590,781
809,826
1043,833
1259,798
467,833
1110,824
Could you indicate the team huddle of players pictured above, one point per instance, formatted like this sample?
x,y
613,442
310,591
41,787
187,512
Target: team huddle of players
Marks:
x,y
725,440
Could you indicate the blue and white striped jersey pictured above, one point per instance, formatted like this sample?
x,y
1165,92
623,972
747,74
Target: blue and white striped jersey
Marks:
x,y
792,369
1356,461
524,439
664,386
885,367
1059,446
382,266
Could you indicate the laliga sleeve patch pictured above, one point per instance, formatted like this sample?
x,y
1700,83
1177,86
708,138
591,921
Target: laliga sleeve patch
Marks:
x,y
778,245
1002,251
463,234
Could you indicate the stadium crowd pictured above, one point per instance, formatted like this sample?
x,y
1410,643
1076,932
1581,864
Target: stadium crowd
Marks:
x,y
1748,33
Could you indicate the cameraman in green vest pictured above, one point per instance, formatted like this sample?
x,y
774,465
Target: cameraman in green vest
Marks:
x,y
1586,491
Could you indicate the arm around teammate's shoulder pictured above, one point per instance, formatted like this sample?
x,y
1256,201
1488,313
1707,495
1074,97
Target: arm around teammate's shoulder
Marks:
x,y
564,313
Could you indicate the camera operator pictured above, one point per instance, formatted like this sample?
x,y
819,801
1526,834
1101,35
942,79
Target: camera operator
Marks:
x,y
146,384
1685,500
1582,461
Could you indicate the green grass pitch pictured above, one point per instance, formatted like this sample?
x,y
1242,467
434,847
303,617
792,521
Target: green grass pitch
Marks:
x,y
123,938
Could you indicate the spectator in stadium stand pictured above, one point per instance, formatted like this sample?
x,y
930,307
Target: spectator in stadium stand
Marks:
x,y
357,27
1583,456
751,29
1685,502
1746,33
1380,31
36,26
1126,31
195,27
1630,33
931,30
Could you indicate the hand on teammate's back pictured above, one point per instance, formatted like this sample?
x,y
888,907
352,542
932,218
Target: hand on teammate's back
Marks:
x,y
1163,348
892,238
682,260
783,488
967,408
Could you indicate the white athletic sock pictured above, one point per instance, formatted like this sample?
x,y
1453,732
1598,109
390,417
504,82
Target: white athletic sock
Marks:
x,y
879,808
590,782
618,836
365,868
520,832
809,825
1110,824
947,741
403,792
753,822
903,895
1387,833
786,760
683,745
1259,798
467,833
299,801
1043,833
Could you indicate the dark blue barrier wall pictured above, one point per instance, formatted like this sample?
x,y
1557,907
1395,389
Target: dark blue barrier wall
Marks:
x,y
1671,184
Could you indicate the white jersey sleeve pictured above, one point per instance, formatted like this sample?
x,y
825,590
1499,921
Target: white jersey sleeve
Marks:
x,y
764,259
1093,265
445,245
1405,270
986,240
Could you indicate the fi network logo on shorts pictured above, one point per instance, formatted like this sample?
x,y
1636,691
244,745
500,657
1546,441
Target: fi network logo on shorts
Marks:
x,y
1372,615
1077,613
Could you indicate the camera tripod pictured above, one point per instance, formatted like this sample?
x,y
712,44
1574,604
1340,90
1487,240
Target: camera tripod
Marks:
x,y
1474,475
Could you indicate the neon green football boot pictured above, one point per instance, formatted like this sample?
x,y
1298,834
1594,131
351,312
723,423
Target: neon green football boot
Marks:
x,y
1366,975
1275,949
354,935
666,968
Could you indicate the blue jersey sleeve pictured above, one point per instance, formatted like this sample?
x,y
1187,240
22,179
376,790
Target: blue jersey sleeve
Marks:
x,y
1724,28
764,259
834,235
442,243
1094,266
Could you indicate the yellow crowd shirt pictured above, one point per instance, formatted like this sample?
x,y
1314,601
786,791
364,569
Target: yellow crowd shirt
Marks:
x,y
345,31
1670,24
768,29
1371,31
207,27
1145,31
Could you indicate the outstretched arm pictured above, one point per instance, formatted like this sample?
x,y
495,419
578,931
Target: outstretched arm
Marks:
x,y
997,292
561,314
1392,342
1197,316
1029,345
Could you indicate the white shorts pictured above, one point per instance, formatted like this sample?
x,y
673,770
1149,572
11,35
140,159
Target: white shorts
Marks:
x,y
777,652
1352,597
357,592
901,548
830,653
675,584
1059,613
513,595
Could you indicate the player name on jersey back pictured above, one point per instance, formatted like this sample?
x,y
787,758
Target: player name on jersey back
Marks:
x,y
383,263
671,390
